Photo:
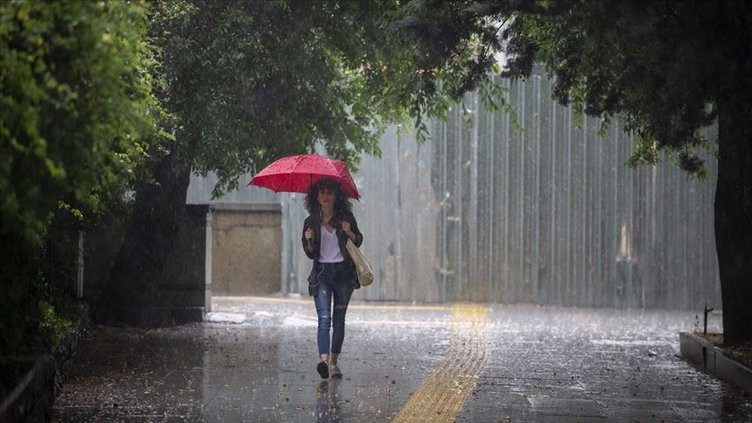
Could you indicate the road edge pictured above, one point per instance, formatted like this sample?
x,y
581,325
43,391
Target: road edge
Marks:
x,y
713,360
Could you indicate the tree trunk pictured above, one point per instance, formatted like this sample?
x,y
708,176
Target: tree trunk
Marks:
x,y
132,289
733,218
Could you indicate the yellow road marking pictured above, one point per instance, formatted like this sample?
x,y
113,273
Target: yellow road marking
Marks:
x,y
442,394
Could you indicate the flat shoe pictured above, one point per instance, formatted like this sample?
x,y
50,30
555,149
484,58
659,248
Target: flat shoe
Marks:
x,y
323,369
335,371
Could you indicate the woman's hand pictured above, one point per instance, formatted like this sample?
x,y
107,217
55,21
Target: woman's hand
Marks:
x,y
308,235
347,230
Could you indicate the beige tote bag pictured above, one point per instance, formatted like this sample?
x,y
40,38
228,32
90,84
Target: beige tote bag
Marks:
x,y
365,274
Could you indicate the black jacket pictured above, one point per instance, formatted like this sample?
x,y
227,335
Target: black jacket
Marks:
x,y
314,222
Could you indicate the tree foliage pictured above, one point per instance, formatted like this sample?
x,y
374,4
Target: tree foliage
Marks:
x,y
659,66
249,82
76,114
75,103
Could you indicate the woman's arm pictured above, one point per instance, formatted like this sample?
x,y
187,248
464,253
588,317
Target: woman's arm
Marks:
x,y
353,233
308,238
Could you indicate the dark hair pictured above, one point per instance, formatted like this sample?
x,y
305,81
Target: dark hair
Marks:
x,y
341,203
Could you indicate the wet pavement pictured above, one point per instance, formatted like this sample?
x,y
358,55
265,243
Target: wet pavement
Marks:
x,y
254,360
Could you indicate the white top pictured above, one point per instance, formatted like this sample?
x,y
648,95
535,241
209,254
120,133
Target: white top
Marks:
x,y
329,252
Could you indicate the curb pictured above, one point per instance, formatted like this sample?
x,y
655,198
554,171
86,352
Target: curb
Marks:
x,y
34,395
713,361
32,398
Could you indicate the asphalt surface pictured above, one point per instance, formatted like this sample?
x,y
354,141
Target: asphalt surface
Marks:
x,y
254,360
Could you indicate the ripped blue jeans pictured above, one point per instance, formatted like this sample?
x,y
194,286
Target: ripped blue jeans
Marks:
x,y
334,283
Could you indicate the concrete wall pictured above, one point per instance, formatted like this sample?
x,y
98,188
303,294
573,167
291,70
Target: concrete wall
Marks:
x,y
246,248
185,283
183,289
101,246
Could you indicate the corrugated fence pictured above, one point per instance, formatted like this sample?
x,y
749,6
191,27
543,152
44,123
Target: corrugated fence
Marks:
x,y
547,212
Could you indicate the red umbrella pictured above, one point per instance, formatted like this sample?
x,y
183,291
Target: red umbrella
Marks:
x,y
298,173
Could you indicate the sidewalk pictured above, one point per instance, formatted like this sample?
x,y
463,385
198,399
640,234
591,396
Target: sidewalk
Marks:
x,y
255,362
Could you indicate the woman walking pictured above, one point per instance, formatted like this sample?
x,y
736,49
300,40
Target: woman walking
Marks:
x,y
325,233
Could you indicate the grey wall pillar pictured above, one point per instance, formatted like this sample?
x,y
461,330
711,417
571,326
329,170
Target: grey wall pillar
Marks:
x,y
184,287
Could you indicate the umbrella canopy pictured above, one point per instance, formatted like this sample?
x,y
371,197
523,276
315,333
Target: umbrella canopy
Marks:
x,y
298,173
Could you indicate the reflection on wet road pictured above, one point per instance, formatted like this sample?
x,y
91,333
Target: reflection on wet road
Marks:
x,y
327,401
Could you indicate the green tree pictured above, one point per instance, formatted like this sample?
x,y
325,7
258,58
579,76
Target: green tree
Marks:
x,y
75,112
247,82
667,69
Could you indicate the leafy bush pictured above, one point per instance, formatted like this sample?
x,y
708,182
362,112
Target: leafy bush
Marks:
x,y
77,116
52,326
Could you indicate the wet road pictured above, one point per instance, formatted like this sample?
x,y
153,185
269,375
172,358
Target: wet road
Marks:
x,y
255,361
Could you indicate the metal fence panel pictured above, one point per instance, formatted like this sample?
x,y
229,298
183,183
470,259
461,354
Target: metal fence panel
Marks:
x,y
548,213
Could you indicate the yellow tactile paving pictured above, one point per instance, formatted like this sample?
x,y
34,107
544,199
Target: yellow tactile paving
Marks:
x,y
442,394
